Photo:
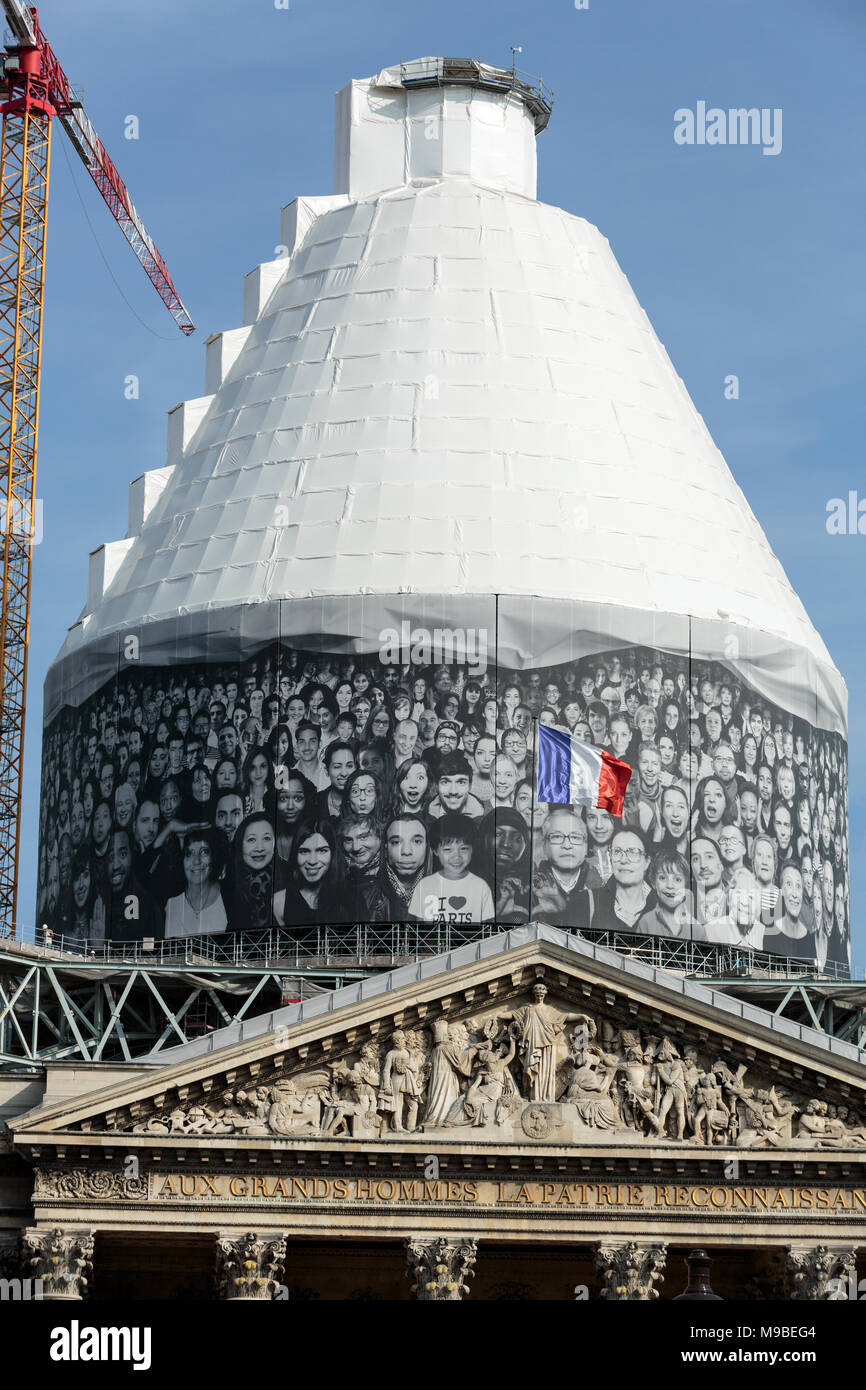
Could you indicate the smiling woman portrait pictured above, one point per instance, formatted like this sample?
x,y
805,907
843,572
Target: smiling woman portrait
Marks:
x,y
251,888
313,887
199,910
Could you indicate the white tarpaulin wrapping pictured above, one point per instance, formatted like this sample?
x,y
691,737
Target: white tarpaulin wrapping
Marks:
x,y
452,387
447,410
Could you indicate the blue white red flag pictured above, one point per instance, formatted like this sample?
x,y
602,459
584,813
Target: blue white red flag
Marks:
x,y
574,773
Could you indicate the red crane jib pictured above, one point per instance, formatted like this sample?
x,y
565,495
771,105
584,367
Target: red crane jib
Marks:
x,y
40,84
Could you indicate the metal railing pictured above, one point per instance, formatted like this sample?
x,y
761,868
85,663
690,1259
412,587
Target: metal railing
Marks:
x,y
371,945
115,1000
425,72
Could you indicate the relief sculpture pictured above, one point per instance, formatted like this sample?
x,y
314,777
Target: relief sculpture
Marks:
x,y
533,1070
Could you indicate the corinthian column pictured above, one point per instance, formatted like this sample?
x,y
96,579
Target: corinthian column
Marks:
x,y
250,1267
440,1268
631,1271
63,1260
820,1272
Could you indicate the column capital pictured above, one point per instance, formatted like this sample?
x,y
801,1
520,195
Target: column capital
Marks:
x,y
440,1267
61,1258
630,1271
820,1271
250,1266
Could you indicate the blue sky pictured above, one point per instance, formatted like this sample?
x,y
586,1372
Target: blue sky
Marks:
x,y
745,264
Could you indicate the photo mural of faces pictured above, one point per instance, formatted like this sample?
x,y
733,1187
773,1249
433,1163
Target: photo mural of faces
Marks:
x,y
295,788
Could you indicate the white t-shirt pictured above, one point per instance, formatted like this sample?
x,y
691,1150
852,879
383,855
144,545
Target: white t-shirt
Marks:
x,y
182,920
439,900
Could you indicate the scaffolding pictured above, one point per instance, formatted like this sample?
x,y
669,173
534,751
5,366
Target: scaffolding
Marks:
x,y
123,1001
471,72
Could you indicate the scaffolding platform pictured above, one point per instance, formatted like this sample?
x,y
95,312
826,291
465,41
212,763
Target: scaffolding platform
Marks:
x,y
122,1001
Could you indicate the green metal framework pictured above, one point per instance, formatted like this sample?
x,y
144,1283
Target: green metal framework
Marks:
x,y
51,1011
124,1002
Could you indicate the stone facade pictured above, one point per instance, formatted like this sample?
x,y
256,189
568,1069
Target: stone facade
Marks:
x,y
535,1101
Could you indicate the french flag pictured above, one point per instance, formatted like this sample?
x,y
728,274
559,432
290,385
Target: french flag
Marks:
x,y
574,773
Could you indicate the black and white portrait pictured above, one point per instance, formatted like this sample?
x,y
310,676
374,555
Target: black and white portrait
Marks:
x,y
295,788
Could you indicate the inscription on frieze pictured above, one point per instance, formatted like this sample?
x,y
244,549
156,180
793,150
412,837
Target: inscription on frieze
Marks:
x,y
514,1193
77,1187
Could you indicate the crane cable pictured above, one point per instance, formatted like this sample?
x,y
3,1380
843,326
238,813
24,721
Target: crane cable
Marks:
x,y
162,337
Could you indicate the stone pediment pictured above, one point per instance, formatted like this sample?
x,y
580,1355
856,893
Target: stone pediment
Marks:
x,y
534,1038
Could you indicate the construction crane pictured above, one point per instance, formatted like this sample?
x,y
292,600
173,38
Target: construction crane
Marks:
x,y
33,90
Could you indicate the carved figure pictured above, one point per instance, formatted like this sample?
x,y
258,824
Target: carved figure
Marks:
x,y
400,1085
449,1062
692,1074
291,1112
712,1109
591,1076
493,1092
353,1094
815,1129
636,1092
538,1029
765,1119
671,1074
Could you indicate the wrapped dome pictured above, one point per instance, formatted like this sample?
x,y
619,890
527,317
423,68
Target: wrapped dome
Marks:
x,y
447,412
